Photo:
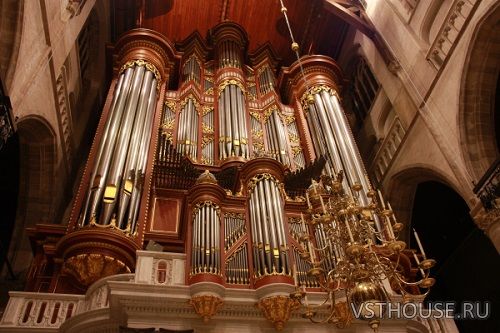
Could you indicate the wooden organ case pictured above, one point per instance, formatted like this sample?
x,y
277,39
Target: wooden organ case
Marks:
x,y
216,169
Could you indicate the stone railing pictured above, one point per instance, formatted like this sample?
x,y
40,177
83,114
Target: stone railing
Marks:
x,y
486,213
48,311
449,34
39,310
387,150
488,188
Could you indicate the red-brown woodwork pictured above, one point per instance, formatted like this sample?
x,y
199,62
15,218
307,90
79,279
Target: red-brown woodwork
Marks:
x,y
318,70
315,29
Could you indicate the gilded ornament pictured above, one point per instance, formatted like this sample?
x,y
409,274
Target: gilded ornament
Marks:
x,y
149,66
89,267
277,309
225,83
206,306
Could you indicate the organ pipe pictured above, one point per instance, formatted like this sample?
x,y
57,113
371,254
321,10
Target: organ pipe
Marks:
x,y
187,134
233,127
205,254
329,125
120,163
268,235
277,143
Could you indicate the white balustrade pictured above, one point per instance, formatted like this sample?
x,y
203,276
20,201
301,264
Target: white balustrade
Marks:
x,y
387,150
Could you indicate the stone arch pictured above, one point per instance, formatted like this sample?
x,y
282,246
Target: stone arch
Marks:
x,y
477,96
11,26
37,185
403,186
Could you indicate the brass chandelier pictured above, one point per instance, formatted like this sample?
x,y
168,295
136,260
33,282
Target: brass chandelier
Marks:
x,y
353,262
352,248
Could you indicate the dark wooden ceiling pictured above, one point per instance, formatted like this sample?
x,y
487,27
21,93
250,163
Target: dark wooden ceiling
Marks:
x,y
315,29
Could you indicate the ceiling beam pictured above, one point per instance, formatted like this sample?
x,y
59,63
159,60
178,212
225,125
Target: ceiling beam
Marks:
x,y
349,17
365,27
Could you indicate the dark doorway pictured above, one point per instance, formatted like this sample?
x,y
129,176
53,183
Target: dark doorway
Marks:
x,y
9,191
468,267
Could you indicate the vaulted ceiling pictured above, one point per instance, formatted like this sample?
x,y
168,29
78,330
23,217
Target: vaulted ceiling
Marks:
x,y
315,26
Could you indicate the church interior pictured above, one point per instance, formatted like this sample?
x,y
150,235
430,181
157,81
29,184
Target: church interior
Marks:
x,y
249,165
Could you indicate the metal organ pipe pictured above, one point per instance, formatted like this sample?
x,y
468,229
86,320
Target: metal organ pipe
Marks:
x,y
142,160
267,218
125,140
119,95
233,122
206,239
133,153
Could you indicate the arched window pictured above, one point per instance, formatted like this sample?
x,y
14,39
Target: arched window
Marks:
x,y
363,89
161,272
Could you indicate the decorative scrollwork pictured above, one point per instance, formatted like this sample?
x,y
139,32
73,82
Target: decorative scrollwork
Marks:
x,y
225,83
149,66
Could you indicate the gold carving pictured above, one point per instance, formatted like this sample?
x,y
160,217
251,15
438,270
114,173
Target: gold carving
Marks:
x,y
149,66
277,309
343,315
293,138
269,111
206,129
256,115
171,105
289,120
296,150
255,179
195,102
88,268
207,109
205,306
168,125
308,97
225,83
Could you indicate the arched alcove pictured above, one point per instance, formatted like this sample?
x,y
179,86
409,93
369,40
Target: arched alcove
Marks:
x,y
478,113
433,19
468,265
37,184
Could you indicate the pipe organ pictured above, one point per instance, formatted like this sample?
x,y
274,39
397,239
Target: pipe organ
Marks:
x,y
216,167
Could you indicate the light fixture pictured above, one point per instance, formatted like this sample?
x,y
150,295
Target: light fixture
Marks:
x,y
356,264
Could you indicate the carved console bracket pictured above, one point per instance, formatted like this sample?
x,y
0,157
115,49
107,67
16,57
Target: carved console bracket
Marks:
x,y
277,309
88,268
205,306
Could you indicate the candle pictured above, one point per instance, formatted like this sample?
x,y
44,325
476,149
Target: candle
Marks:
x,y
393,216
389,224
419,243
294,272
307,198
311,252
349,231
418,263
322,204
306,302
381,199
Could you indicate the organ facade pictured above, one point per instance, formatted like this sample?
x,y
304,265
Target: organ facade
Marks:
x,y
207,153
